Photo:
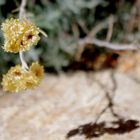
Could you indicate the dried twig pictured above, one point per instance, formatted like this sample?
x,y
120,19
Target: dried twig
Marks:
x,y
100,26
96,29
110,28
106,44
102,44
83,26
91,39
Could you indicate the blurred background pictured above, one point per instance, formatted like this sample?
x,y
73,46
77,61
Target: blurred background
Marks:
x,y
67,22
90,88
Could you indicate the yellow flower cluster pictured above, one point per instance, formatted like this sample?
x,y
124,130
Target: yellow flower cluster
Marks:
x,y
18,79
19,35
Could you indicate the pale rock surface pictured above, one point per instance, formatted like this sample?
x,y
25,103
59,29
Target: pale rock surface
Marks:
x,y
64,102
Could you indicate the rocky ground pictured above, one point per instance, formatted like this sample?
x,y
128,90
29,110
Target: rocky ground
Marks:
x,y
72,107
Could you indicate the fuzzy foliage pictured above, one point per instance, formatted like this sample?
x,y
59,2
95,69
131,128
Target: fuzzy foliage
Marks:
x,y
67,21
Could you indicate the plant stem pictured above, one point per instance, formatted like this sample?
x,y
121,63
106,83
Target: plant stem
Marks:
x,y
22,9
23,62
21,15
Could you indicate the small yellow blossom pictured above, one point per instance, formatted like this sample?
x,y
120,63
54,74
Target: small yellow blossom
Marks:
x,y
18,79
20,35
37,70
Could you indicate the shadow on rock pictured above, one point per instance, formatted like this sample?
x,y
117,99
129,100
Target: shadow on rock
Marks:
x,y
91,130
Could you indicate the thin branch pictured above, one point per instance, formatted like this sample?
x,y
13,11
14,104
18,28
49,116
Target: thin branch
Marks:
x,y
100,26
110,28
106,44
91,38
97,28
83,26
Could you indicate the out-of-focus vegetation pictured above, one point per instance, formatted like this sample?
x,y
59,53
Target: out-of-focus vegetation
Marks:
x,y
67,21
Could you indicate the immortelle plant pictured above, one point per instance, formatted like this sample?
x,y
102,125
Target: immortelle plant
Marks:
x,y
19,36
